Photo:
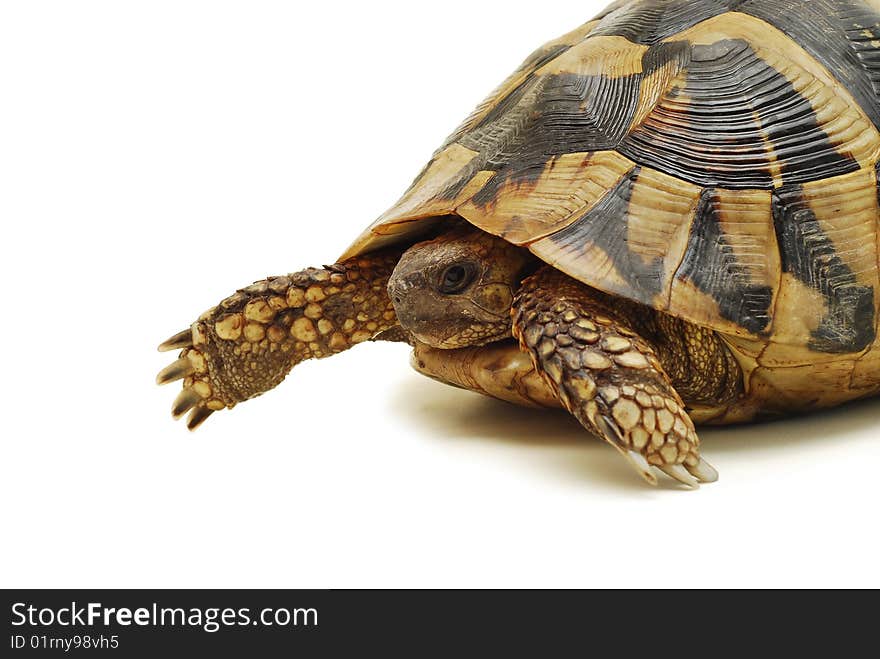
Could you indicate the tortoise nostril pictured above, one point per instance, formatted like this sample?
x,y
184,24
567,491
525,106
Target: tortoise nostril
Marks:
x,y
414,280
396,299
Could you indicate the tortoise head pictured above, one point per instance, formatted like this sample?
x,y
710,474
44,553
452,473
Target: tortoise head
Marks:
x,y
456,290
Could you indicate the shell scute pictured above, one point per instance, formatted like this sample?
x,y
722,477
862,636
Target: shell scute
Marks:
x,y
712,159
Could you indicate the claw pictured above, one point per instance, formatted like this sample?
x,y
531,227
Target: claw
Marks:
x,y
198,416
637,460
176,371
185,401
680,474
180,340
703,472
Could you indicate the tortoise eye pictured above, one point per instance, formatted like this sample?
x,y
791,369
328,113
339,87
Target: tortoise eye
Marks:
x,y
456,278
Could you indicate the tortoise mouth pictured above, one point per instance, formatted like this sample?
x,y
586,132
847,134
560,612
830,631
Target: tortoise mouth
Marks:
x,y
446,322
468,338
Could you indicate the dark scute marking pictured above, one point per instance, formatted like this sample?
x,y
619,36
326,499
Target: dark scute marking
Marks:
x,y
504,106
877,177
849,325
809,255
650,21
489,192
553,115
711,132
606,226
564,113
510,176
840,34
658,56
462,178
711,265
557,114
498,104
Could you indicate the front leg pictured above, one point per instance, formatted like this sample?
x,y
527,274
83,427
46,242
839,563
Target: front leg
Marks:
x,y
248,343
607,375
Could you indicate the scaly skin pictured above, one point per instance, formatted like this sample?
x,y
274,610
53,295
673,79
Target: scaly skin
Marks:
x,y
607,375
248,343
602,359
700,365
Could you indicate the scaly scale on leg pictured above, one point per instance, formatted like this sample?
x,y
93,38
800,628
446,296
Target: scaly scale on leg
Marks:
x,y
607,375
461,299
249,342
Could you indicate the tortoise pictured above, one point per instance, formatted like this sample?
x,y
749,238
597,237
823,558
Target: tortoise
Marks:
x,y
666,217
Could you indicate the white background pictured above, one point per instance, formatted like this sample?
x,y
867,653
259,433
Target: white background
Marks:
x,y
156,156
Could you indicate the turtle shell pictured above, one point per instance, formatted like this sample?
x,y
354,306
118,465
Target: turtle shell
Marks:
x,y
714,159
